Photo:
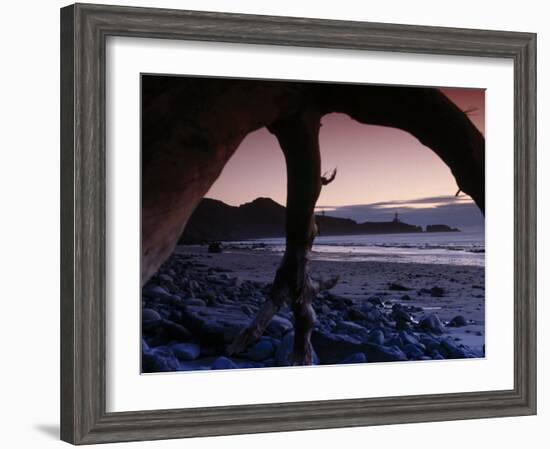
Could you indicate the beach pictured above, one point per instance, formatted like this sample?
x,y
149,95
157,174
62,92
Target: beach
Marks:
x,y
378,311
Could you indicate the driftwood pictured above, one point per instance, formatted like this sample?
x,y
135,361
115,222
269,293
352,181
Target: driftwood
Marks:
x,y
191,127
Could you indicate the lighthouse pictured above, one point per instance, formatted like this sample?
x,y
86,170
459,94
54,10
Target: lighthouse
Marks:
x,y
396,218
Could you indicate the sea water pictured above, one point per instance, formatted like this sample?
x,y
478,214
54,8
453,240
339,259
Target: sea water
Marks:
x,y
451,248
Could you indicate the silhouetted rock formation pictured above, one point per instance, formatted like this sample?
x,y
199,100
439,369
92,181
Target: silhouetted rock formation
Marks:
x,y
214,220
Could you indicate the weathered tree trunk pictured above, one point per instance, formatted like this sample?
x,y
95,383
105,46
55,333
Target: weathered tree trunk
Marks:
x,y
298,136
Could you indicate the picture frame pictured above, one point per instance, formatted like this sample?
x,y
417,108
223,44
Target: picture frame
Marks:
x,y
84,29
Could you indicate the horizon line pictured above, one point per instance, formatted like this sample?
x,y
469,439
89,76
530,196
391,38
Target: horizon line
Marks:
x,y
404,203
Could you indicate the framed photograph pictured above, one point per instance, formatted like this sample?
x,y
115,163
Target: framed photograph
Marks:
x,y
274,223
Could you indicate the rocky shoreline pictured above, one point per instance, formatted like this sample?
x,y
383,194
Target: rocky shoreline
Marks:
x,y
195,305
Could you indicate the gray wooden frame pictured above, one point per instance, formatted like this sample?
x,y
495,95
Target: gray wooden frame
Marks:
x,y
83,31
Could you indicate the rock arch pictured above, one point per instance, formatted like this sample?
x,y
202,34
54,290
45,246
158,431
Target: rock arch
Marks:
x,y
192,126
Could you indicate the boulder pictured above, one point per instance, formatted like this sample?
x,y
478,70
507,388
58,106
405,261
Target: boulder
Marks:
x,y
397,287
175,330
165,277
437,292
186,351
358,357
375,301
160,359
356,314
351,328
155,291
431,323
278,326
413,352
331,348
215,247
194,302
261,350
394,340
379,353
150,315
454,351
224,363
458,321
408,337
214,325
399,314
377,336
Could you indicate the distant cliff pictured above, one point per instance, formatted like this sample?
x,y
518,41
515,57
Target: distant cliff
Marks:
x,y
214,220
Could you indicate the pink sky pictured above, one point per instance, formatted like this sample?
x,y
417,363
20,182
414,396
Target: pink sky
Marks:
x,y
374,163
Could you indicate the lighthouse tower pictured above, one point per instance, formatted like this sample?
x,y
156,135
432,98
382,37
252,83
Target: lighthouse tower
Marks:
x,y
396,218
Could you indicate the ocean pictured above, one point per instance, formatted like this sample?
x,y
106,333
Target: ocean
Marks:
x,y
450,248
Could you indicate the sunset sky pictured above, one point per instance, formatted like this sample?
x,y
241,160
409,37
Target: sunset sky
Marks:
x,y
375,164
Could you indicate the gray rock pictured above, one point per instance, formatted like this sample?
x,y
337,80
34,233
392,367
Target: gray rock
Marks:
x,y
394,340
213,278
398,314
413,352
429,341
155,291
144,346
349,327
374,315
194,302
186,351
214,325
249,364
377,336
375,300
358,357
223,363
263,349
458,321
409,338
160,359
175,330
150,315
247,310
356,314
331,348
431,323
397,287
166,277
379,353
278,326
437,292
237,282
324,309
215,247
454,351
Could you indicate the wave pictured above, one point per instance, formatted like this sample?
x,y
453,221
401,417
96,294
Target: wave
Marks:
x,y
442,248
